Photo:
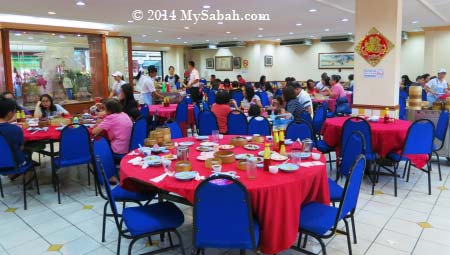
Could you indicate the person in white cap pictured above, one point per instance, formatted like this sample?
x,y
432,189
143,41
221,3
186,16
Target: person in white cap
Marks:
x,y
437,86
118,82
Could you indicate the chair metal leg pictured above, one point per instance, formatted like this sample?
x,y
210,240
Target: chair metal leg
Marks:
x,y
429,177
331,163
439,165
104,221
89,174
130,246
241,252
349,243
404,169
57,187
181,242
322,245
352,218
36,182
24,192
1,188
409,170
395,179
120,237
299,239
305,241
170,239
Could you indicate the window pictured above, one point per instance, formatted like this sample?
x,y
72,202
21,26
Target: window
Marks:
x,y
144,59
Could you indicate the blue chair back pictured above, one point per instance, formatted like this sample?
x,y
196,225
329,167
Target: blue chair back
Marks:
x,y
342,106
319,118
259,125
223,203
238,96
196,112
305,116
402,105
351,188
264,99
354,146
299,130
278,92
207,122
175,130
145,113
103,152
74,144
181,115
110,197
237,123
203,81
357,124
205,106
178,85
138,133
419,139
7,160
211,97
187,100
442,126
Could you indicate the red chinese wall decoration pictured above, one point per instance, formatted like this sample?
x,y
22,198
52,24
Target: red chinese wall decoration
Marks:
x,y
374,46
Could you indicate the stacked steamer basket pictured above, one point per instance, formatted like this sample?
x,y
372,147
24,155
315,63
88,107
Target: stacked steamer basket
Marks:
x,y
415,98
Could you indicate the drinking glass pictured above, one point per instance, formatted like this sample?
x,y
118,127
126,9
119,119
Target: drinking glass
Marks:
x,y
215,136
307,145
251,168
166,164
296,157
216,168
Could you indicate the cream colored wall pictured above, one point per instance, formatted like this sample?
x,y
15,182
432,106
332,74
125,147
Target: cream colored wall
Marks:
x,y
437,50
413,56
117,49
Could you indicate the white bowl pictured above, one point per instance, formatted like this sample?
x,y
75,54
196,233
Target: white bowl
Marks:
x,y
273,169
315,156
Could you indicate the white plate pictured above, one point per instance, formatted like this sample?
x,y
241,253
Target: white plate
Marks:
x,y
251,147
186,143
201,137
261,153
204,148
288,167
244,156
169,157
278,157
208,144
226,147
153,160
186,176
305,155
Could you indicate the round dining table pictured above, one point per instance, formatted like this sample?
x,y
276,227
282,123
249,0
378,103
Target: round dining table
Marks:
x,y
331,102
41,135
386,137
169,112
275,198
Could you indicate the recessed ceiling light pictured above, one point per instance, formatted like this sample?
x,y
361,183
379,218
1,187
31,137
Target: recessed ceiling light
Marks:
x,y
186,27
206,6
415,22
326,29
51,12
144,35
291,33
344,20
349,33
159,31
260,29
207,40
311,36
298,24
178,38
62,36
220,23
130,21
80,3
184,42
312,10
260,36
156,40
228,32
53,34
78,35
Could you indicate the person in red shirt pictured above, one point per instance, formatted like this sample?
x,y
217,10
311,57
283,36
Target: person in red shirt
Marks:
x,y
241,80
221,108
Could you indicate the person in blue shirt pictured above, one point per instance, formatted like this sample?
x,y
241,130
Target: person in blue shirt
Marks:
x,y
10,95
12,133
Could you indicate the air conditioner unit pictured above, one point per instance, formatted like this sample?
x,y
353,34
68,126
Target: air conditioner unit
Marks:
x,y
230,44
203,46
292,42
335,39
404,35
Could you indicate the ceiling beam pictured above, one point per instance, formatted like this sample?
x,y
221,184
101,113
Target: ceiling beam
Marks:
x,y
433,10
336,6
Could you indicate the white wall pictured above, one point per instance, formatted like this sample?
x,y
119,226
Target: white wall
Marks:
x,y
413,56
437,50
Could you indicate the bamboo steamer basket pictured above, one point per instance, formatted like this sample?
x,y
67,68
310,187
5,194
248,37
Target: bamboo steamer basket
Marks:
x,y
155,134
415,104
425,104
209,162
447,103
149,142
415,92
438,105
238,141
165,134
227,157
183,166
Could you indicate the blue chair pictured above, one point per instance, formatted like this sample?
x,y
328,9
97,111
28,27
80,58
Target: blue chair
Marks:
x,y
419,141
207,122
354,146
175,130
440,134
319,118
259,125
299,130
228,200
187,100
237,96
205,106
237,123
74,149
145,112
178,85
144,221
306,117
8,165
181,114
211,97
102,151
138,134
402,105
342,106
321,221
196,112
359,124
264,99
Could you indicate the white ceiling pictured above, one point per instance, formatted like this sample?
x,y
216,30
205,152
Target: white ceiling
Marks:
x,y
284,15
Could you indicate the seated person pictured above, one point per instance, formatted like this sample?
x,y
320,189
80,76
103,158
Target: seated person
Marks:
x,y
337,91
129,104
250,97
10,95
117,126
293,106
46,108
310,86
12,133
254,111
221,108
277,105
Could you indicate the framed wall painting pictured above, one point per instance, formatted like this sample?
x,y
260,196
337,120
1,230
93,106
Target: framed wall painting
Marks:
x,y
337,60
209,63
237,63
268,60
224,63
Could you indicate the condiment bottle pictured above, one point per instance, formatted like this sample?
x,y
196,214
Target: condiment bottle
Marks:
x,y
18,116
276,140
386,115
267,157
22,116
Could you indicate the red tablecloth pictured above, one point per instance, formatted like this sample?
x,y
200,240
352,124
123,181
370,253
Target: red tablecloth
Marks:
x,y
332,101
169,112
385,137
51,134
276,199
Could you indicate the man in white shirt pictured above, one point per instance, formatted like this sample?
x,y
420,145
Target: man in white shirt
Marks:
x,y
193,83
303,97
437,86
147,86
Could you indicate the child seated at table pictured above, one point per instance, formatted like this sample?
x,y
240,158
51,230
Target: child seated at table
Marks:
x,y
46,108
254,111
117,126
12,133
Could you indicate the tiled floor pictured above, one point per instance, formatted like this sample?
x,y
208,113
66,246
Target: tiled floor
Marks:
x,y
412,223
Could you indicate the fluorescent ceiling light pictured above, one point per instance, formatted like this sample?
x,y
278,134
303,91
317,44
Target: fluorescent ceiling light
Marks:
x,y
220,23
80,3
415,22
235,38
186,27
156,40
344,20
326,29
206,6
298,24
10,18
130,21
312,10
291,33
184,42
207,40
260,29
228,32
260,35
178,38
51,13
159,31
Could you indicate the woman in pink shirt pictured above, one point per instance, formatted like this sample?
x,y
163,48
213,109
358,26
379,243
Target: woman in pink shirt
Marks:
x,y
337,91
221,108
117,126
